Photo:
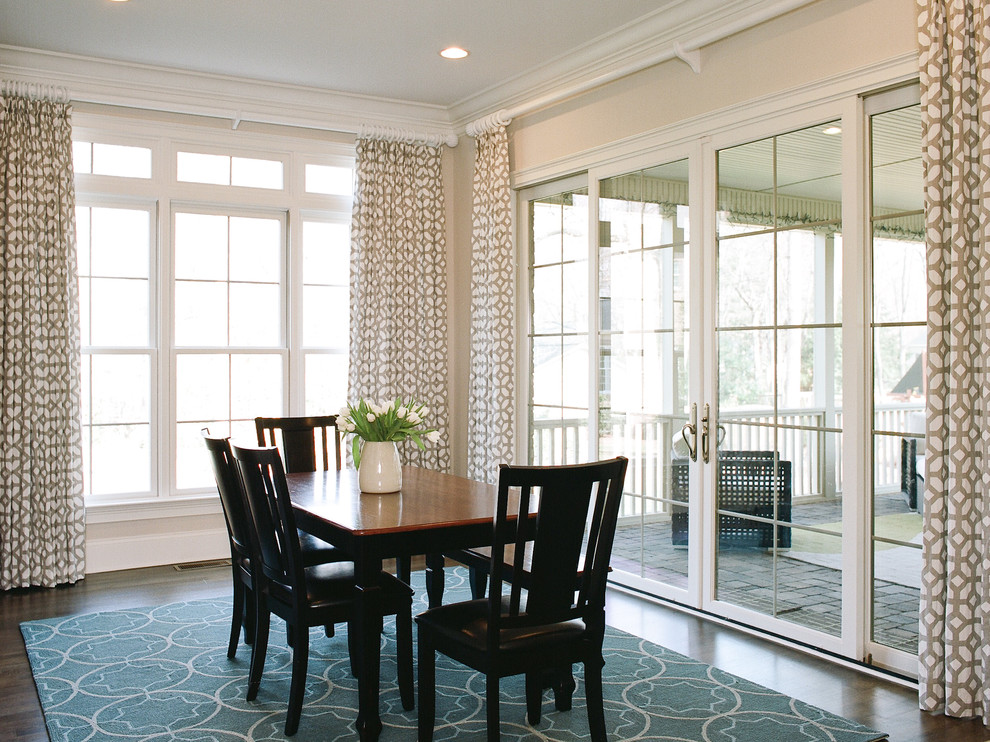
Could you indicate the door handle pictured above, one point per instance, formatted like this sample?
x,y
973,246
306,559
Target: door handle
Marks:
x,y
705,419
691,428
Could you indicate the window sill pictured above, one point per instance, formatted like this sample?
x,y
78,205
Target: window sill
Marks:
x,y
152,509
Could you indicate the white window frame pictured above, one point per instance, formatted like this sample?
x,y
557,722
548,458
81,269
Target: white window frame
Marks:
x,y
166,136
525,334
151,349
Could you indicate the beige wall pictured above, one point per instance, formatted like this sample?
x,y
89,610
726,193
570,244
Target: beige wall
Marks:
x,y
814,43
458,173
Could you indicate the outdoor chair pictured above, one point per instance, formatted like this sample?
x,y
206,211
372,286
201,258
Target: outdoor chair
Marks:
x,y
749,483
912,480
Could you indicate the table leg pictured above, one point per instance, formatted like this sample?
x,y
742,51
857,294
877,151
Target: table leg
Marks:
x,y
434,579
368,640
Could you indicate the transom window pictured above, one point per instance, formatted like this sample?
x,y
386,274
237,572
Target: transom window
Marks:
x,y
101,158
250,172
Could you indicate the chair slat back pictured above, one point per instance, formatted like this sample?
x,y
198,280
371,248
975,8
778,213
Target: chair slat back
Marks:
x,y
231,495
274,524
569,544
301,439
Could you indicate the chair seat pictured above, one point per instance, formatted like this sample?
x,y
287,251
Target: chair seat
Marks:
x,y
480,556
332,584
467,622
318,551
478,561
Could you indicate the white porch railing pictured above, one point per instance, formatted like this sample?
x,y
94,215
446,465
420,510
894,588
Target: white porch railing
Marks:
x,y
815,455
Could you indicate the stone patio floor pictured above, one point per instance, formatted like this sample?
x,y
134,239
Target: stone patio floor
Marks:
x,y
807,594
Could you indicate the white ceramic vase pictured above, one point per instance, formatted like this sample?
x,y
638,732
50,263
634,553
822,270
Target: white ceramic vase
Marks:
x,y
380,470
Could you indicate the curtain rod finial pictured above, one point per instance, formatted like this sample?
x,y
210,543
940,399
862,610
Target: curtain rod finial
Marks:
x,y
492,121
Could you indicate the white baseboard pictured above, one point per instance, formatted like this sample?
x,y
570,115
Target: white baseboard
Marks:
x,y
151,550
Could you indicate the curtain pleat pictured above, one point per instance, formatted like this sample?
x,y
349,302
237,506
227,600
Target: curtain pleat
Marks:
x,y
491,395
42,513
398,285
955,102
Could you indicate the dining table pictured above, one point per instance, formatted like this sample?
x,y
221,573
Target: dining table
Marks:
x,y
433,513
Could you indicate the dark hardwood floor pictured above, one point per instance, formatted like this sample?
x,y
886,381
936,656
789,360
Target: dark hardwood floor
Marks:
x,y
21,719
875,702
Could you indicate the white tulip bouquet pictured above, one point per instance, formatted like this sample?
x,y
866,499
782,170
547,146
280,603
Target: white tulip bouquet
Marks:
x,y
377,421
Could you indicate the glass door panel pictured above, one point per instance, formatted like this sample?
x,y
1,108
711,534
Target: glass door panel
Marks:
x,y
609,374
899,381
558,341
642,389
778,493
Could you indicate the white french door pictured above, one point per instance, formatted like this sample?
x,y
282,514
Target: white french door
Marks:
x,y
611,267
716,345
777,532
707,312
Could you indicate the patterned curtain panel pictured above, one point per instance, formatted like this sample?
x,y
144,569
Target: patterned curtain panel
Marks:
x,y
42,515
955,610
398,335
491,402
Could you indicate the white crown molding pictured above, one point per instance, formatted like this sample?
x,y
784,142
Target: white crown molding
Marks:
x,y
148,87
674,31
887,73
677,29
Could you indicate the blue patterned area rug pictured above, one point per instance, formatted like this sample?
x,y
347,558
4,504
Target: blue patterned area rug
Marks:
x,y
162,674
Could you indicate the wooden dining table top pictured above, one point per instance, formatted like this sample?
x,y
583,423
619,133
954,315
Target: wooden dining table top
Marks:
x,y
432,514
428,500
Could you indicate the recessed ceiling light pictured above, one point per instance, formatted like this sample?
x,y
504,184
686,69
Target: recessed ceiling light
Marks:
x,y
454,52
832,130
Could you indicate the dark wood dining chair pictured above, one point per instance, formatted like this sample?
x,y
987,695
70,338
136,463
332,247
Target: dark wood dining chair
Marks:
x,y
546,628
297,439
303,442
239,536
305,596
238,521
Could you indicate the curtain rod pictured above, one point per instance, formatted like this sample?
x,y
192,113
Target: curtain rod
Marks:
x,y
34,90
361,131
396,134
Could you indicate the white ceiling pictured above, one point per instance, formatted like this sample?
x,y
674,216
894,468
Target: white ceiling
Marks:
x,y
386,49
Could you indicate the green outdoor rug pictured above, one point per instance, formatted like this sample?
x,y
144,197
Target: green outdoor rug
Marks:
x,y
162,673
